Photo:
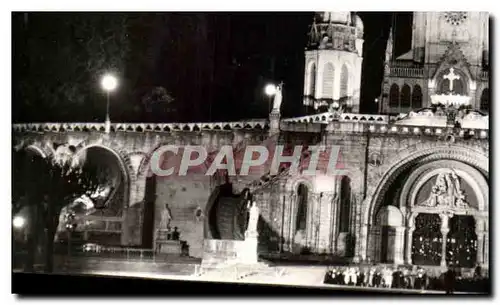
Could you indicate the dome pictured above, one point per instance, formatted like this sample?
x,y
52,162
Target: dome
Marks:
x,y
336,17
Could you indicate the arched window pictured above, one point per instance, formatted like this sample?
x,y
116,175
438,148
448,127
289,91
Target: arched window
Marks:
x,y
406,96
416,97
485,100
301,218
345,204
344,79
328,75
312,80
394,96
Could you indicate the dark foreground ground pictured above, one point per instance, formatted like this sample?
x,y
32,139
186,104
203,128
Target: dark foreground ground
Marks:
x,y
26,284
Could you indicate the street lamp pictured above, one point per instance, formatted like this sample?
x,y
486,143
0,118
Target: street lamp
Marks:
x,y
109,83
18,222
270,91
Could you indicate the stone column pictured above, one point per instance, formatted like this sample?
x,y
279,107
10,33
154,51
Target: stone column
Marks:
x,y
292,220
399,243
486,250
333,221
480,233
480,247
409,242
444,233
289,219
318,209
409,237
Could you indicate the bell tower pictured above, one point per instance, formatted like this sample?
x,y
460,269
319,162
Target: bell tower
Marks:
x,y
333,59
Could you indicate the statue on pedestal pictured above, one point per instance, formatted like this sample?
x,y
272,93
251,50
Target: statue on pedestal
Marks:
x,y
278,98
166,217
252,219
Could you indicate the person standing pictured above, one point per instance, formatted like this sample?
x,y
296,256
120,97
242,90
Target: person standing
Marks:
x,y
449,280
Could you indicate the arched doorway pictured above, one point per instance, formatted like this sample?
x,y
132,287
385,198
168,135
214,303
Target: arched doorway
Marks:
x,y
427,240
103,221
301,234
461,242
417,177
345,241
390,222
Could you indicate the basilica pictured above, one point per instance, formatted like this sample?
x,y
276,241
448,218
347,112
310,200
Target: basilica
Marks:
x,y
417,188
414,189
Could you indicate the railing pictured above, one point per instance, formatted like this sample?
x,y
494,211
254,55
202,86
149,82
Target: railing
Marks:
x,y
259,124
120,253
327,117
406,72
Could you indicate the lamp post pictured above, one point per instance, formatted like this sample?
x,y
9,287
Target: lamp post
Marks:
x,y
109,84
376,101
19,224
270,91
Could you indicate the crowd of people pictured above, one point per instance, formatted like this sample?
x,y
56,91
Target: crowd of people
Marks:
x,y
404,277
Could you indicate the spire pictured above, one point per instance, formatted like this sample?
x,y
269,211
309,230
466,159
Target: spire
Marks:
x,y
390,48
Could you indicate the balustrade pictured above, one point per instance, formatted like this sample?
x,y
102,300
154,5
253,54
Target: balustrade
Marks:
x,y
406,72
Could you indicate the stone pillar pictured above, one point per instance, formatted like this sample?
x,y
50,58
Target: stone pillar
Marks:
x,y
480,247
325,216
486,250
399,243
333,221
316,222
274,122
291,221
444,233
409,242
480,233
409,237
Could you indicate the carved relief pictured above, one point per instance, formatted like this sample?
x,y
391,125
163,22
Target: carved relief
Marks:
x,y
375,159
446,192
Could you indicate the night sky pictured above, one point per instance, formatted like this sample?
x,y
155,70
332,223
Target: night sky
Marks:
x,y
214,65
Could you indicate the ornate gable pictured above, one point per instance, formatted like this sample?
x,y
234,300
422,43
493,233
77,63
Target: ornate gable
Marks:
x,y
453,58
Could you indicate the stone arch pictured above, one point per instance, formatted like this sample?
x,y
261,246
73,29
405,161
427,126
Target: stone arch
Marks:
x,y
293,183
124,164
416,97
484,103
387,231
426,171
36,149
405,99
390,215
404,160
413,155
394,96
328,80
